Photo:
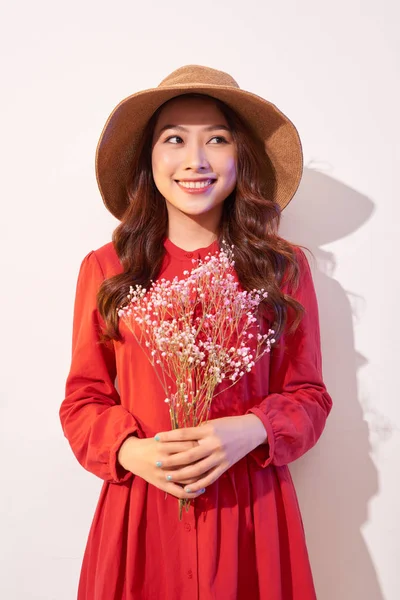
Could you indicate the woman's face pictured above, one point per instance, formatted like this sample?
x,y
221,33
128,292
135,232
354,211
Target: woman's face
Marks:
x,y
192,143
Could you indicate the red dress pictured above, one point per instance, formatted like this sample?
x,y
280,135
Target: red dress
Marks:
x,y
243,539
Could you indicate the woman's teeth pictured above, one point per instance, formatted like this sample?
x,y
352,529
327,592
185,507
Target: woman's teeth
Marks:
x,y
196,184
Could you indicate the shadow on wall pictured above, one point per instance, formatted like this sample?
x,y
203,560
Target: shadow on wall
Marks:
x,y
337,478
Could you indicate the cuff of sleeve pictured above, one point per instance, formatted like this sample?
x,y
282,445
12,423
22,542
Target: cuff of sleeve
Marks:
x,y
117,471
264,453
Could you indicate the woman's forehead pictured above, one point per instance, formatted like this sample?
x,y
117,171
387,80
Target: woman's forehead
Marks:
x,y
181,111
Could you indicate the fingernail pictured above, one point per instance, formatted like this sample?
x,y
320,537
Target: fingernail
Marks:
x,y
202,490
188,490
157,437
158,463
169,477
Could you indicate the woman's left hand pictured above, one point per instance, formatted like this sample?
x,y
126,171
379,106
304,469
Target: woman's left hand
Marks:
x,y
221,443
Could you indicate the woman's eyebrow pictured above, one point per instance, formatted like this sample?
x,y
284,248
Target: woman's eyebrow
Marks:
x,y
180,128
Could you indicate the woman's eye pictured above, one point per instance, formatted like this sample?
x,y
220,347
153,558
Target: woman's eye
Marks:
x,y
219,137
173,137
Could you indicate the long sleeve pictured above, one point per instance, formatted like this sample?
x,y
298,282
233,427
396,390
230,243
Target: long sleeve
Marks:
x,y
92,417
297,406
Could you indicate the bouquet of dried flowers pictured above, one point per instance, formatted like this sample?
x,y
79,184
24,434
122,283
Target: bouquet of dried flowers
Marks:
x,y
197,332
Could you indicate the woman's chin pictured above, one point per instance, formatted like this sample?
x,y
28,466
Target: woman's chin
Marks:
x,y
192,208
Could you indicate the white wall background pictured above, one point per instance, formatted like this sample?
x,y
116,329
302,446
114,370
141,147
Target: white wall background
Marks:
x,y
333,68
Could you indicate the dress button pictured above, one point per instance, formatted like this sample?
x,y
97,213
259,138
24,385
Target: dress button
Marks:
x,y
190,573
187,526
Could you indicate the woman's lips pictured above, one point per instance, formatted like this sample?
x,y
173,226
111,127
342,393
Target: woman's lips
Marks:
x,y
196,190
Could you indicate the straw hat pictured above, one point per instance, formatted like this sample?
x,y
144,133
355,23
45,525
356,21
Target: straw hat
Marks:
x,y
126,123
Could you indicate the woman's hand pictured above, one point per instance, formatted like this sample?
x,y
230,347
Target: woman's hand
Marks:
x,y
144,457
220,444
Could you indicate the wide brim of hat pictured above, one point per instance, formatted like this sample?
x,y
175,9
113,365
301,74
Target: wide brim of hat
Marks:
x,y
126,123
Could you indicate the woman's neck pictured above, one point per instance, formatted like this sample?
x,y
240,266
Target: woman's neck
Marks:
x,y
189,235
190,243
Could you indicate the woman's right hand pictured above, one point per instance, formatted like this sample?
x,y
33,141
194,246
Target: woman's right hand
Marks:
x,y
141,455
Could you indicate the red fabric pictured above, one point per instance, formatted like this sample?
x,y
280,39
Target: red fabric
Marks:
x,y
243,538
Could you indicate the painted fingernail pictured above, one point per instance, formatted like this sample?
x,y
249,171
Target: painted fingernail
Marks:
x,y
169,477
188,490
158,463
202,490
157,438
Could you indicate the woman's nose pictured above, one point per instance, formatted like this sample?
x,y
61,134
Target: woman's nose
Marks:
x,y
196,156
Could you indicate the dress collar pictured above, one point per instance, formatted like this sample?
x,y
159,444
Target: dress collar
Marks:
x,y
188,255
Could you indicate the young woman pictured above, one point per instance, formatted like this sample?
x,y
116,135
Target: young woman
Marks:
x,y
184,166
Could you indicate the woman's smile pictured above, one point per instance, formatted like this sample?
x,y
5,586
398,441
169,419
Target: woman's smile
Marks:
x,y
198,187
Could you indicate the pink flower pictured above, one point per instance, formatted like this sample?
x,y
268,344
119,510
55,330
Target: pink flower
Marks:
x,y
197,331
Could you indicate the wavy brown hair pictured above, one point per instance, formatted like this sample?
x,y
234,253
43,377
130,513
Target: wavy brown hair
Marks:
x,y
250,221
